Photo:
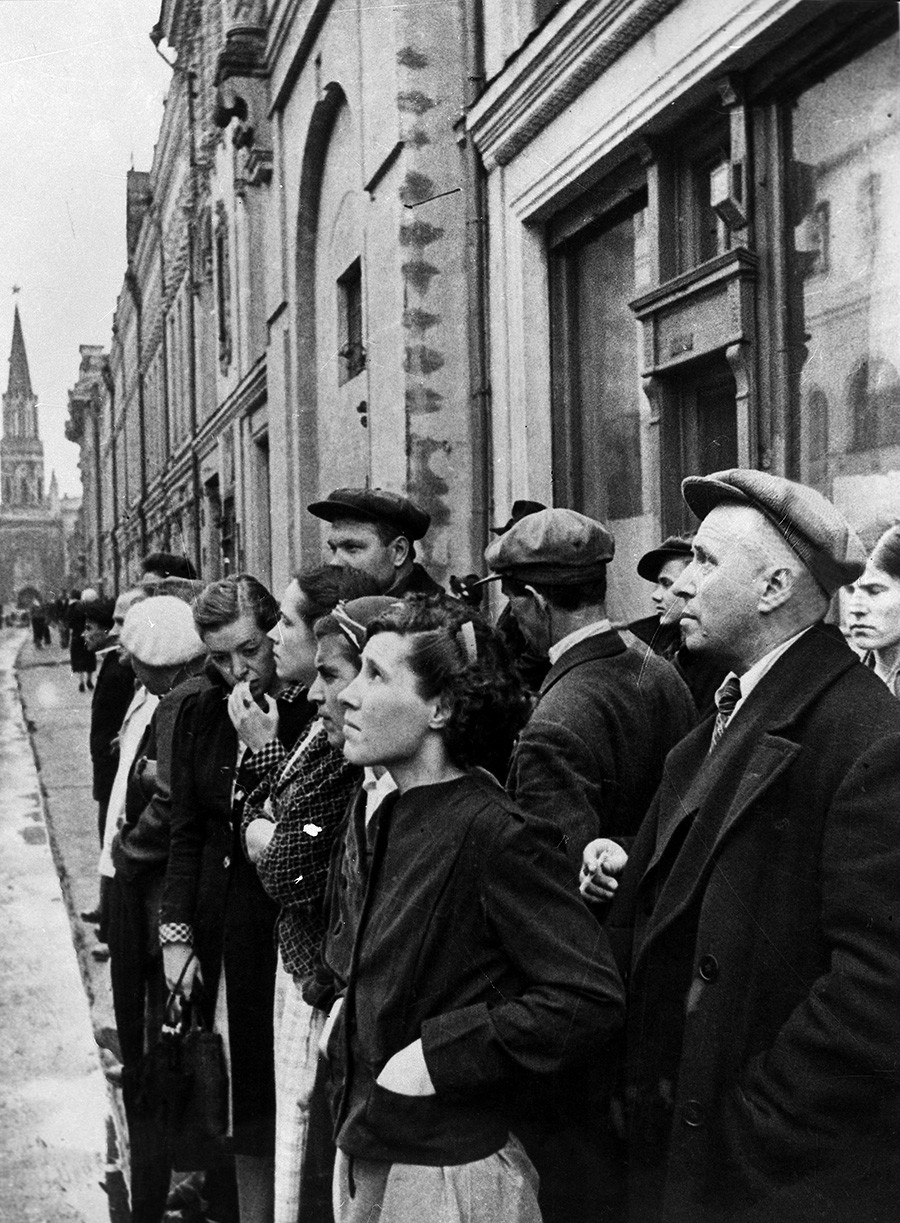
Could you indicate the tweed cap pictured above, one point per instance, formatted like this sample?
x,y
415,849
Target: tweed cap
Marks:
x,y
160,632
558,547
374,505
817,531
651,562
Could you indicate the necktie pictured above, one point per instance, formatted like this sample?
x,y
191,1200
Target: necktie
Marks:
x,y
727,696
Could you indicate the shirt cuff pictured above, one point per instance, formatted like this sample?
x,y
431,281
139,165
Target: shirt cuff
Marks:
x,y
176,932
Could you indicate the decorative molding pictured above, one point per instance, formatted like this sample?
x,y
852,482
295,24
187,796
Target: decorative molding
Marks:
x,y
550,72
705,310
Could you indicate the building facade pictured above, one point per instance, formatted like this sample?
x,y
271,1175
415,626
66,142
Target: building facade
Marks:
x,y
693,215
565,251
33,559
299,306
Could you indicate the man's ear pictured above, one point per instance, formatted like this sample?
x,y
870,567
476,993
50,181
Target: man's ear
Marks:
x,y
399,549
539,599
778,589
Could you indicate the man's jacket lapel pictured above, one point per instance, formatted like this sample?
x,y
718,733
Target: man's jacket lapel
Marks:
x,y
749,760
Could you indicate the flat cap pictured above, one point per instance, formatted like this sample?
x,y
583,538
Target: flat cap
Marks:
x,y
160,632
520,510
558,547
817,531
651,562
374,505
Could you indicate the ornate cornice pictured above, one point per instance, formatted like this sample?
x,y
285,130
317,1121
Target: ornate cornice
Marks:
x,y
571,52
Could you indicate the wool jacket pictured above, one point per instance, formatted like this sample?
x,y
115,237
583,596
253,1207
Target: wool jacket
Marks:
x,y
591,755
306,800
418,581
756,924
142,843
113,691
214,897
472,938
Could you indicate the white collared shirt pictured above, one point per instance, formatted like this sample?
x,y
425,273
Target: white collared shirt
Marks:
x,y
136,720
376,788
556,652
761,667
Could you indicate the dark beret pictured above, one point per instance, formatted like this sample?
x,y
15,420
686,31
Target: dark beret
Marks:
x,y
374,505
520,510
100,611
651,562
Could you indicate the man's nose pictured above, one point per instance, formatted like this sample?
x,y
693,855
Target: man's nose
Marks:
x,y
239,667
684,586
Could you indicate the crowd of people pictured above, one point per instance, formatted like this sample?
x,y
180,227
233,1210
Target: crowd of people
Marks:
x,y
535,918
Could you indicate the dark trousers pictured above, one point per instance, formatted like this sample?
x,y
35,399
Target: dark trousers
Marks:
x,y
139,998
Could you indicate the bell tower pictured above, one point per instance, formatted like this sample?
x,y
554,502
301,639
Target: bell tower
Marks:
x,y
21,451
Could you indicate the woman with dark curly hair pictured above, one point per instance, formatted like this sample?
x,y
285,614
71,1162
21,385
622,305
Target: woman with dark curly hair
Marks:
x,y
474,964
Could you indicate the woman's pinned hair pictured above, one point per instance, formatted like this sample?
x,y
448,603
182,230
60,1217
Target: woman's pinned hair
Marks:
x,y
886,553
457,655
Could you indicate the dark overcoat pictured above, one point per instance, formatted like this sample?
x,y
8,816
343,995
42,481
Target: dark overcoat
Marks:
x,y
757,926
592,753
212,887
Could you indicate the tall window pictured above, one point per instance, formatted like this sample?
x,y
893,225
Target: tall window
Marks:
x,y
874,403
222,247
350,323
844,265
597,395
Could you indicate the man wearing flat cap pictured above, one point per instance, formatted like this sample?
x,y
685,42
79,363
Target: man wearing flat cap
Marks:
x,y
756,919
588,760
592,752
375,531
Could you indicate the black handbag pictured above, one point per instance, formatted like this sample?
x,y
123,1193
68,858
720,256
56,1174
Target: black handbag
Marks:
x,y
188,1083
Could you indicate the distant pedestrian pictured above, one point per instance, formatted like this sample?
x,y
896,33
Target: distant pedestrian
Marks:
x,y
82,659
40,630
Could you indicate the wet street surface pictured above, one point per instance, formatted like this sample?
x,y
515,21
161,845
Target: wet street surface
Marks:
x,y
54,1098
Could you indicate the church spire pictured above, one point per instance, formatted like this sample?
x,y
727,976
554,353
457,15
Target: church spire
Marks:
x,y
19,377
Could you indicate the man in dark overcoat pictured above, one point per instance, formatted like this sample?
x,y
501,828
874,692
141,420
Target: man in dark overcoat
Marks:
x,y
588,760
591,755
756,921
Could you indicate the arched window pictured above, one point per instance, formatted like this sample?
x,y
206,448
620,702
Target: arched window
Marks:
x,y
874,401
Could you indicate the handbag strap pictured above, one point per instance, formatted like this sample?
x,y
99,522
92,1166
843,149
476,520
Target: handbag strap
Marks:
x,y
175,993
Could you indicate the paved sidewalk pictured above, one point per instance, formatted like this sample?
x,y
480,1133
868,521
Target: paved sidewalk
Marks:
x,y
58,720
